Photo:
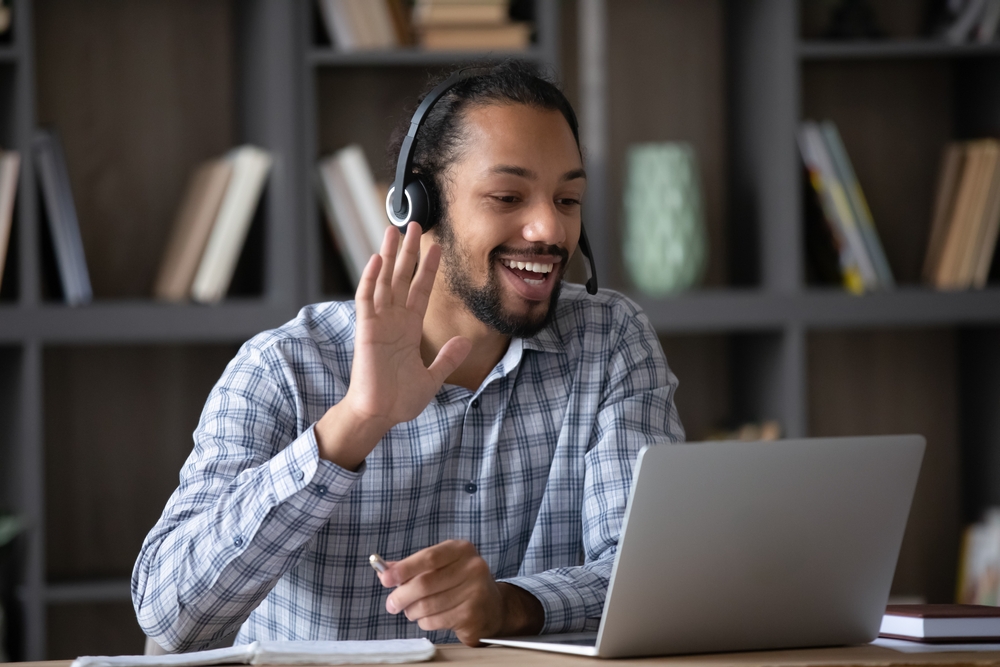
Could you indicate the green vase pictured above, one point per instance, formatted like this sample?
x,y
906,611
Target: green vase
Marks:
x,y
664,241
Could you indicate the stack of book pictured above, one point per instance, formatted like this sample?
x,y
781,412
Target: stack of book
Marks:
x,y
211,226
10,169
354,206
60,212
358,25
468,25
966,217
861,264
438,25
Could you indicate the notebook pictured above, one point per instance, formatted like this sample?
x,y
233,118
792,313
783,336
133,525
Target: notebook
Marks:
x,y
736,546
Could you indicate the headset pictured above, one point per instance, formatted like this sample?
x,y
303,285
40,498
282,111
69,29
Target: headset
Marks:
x,y
408,199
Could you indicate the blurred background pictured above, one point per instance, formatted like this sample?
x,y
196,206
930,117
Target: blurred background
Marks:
x,y
803,280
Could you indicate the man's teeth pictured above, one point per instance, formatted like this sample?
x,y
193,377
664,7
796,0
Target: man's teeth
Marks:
x,y
534,267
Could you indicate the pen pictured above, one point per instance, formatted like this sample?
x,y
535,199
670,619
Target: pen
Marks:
x,y
377,563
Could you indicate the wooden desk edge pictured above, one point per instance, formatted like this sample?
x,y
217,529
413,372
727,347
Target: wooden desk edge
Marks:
x,y
848,656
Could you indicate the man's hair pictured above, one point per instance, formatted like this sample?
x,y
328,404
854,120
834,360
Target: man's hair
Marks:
x,y
439,141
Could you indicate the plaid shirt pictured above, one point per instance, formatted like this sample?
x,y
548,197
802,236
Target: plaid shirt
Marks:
x,y
533,468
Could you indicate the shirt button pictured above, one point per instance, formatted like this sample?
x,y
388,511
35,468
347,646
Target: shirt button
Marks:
x,y
238,542
475,404
299,475
471,487
321,490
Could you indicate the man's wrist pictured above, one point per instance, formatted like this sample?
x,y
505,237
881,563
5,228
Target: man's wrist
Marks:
x,y
522,612
344,438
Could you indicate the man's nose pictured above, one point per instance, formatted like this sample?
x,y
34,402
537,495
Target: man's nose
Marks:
x,y
545,225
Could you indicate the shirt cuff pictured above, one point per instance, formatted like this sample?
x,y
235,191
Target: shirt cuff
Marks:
x,y
567,608
306,482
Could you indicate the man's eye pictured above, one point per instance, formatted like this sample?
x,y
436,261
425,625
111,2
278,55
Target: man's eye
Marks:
x,y
568,201
506,199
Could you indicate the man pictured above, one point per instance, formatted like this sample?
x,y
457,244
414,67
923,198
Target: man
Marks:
x,y
460,418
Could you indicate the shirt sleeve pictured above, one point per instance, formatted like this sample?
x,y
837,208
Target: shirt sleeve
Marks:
x,y
635,408
252,494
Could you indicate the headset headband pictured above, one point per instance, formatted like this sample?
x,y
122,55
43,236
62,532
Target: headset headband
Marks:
x,y
405,163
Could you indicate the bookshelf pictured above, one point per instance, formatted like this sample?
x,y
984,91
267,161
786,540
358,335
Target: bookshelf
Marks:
x,y
757,342
97,403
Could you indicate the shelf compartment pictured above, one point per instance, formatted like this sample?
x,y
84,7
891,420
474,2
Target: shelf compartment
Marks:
x,y
892,382
118,429
106,628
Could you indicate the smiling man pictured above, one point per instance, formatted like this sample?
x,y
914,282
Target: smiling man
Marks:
x,y
469,417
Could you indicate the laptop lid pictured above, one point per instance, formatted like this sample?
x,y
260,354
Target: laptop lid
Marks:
x,y
732,546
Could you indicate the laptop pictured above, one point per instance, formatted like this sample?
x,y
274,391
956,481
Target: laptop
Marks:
x,y
739,546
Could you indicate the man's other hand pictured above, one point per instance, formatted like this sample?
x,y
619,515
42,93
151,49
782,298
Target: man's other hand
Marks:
x,y
449,586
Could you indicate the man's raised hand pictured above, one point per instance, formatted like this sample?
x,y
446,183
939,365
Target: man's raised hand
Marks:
x,y
389,382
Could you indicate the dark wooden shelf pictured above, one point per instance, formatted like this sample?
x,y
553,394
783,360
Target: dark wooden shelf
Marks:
x,y
141,322
908,48
327,57
751,310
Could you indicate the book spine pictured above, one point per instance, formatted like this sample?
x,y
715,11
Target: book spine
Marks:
x,y
250,169
859,205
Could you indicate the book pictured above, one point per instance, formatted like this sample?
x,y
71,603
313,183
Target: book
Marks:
x,y
60,210
979,562
986,31
856,270
339,22
10,169
250,167
280,653
511,36
342,217
941,622
431,13
979,252
955,267
191,229
364,194
859,204
949,177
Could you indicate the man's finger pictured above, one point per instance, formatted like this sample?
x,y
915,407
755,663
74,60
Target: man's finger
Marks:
x,y
405,262
423,281
412,596
366,286
383,285
428,559
449,357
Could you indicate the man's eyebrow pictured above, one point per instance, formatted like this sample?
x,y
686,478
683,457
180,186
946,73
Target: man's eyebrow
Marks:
x,y
514,170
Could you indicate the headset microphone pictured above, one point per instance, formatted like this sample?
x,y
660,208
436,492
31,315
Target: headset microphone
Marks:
x,y
408,199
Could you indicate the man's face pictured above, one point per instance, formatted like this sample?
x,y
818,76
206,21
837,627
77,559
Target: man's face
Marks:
x,y
512,217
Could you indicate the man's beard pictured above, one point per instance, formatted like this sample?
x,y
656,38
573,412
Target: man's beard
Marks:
x,y
486,301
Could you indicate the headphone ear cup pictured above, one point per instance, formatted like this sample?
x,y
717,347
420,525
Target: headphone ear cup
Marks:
x,y
420,204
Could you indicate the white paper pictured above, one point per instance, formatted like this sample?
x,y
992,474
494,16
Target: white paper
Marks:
x,y
220,656
904,646
280,653
343,652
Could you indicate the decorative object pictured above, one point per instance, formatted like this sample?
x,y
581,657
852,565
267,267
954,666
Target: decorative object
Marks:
x,y
665,242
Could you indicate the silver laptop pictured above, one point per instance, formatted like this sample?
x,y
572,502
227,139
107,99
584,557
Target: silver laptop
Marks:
x,y
737,546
